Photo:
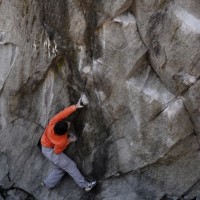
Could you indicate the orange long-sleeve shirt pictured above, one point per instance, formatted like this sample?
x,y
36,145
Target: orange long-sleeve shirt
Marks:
x,y
50,139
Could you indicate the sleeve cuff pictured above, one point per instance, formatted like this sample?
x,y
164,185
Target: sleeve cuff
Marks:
x,y
74,107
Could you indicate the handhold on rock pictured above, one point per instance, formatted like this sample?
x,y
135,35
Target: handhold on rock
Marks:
x,y
84,99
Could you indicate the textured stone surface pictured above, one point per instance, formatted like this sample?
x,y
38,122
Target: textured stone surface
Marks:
x,y
4,167
182,28
192,103
138,64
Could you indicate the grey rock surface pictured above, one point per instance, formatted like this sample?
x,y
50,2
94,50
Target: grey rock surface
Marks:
x,y
136,61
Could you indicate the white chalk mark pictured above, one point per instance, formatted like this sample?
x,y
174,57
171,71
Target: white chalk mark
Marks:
x,y
173,109
125,19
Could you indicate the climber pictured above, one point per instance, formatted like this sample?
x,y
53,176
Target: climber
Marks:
x,y
53,141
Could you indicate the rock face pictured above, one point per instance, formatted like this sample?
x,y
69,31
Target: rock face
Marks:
x,y
138,63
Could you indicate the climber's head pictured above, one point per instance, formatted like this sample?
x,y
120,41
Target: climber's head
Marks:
x,y
61,127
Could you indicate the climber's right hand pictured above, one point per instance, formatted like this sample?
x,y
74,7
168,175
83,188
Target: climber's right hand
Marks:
x,y
79,103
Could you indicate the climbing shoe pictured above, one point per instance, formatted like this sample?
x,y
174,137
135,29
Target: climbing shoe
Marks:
x,y
90,185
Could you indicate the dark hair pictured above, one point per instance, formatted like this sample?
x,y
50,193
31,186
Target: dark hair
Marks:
x,y
61,128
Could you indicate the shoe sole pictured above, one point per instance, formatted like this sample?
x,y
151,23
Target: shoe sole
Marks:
x,y
91,187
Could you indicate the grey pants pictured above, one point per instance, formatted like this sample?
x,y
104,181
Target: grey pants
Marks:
x,y
62,163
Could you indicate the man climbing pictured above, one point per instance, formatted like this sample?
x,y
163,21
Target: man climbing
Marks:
x,y
54,140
